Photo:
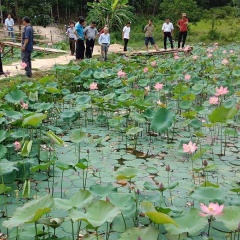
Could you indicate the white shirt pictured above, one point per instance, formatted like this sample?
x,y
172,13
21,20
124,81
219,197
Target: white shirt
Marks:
x,y
104,38
126,32
9,22
167,27
71,33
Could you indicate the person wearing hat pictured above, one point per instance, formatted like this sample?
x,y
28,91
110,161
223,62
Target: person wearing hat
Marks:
x,y
183,30
126,35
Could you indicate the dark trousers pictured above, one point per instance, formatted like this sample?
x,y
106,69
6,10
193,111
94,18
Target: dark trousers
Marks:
x,y
169,36
72,45
125,44
89,47
80,49
1,68
182,37
26,58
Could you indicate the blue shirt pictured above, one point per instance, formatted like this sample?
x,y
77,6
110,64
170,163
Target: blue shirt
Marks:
x,y
28,34
104,38
79,30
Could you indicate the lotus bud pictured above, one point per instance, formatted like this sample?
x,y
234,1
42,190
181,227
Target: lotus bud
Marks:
x,y
17,193
139,238
88,151
21,101
138,191
205,163
168,168
238,229
107,199
161,187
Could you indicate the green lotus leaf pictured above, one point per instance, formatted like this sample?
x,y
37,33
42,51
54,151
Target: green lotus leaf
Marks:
x,y
26,148
196,124
33,96
43,106
83,99
64,166
162,120
4,189
134,131
147,207
97,213
68,115
197,89
222,114
123,97
144,233
82,164
236,73
230,217
19,134
65,91
209,194
77,136
87,73
52,90
7,169
230,103
15,96
199,153
140,118
127,172
13,114
191,223
109,97
186,105
57,140
102,119
51,222
160,218
30,212
34,120
3,135
79,200
102,191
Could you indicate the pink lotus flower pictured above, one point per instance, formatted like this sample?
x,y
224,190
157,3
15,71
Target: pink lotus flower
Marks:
x,y
93,86
213,209
195,57
209,55
154,64
224,51
231,51
224,61
147,88
187,48
189,148
221,91
23,64
24,105
213,100
159,102
17,145
158,86
215,44
145,70
121,74
176,57
187,77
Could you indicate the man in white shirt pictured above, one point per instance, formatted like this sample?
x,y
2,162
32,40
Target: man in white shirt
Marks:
x,y
167,30
126,35
72,37
9,23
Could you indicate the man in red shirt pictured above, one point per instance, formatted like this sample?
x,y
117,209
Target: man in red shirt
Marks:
x,y
183,29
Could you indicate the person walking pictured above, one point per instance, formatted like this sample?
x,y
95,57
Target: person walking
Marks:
x,y
167,30
9,23
104,41
27,45
91,33
148,30
183,30
126,35
72,37
80,47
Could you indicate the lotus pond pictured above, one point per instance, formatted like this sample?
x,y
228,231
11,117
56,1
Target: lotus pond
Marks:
x,y
134,148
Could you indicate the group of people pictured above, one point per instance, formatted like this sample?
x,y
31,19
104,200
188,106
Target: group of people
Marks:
x,y
167,31
26,46
79,35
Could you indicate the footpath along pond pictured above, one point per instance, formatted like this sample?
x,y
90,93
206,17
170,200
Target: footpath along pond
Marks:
x,y
134,148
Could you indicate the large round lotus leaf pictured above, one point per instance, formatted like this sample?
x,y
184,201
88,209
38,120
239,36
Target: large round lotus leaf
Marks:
x,y
186,105
3,135
15,96
196,124
197,89
97,213
123,97
236,73
127,172
42,106
102,119
230,103
134,130
87,73
79,200
191,223
162,120
7,168
230,217
143,233
19,134
30,212
12,114
68,115
209,194
34,120
83,99
222,114
77,136
101,190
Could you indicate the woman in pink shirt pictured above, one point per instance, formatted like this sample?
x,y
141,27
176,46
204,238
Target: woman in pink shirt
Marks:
x,y
183,30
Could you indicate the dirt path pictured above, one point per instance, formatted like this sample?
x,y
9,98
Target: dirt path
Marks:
x,y
48,63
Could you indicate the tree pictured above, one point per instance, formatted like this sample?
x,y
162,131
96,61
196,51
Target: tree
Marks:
x,y
173,9
114,13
